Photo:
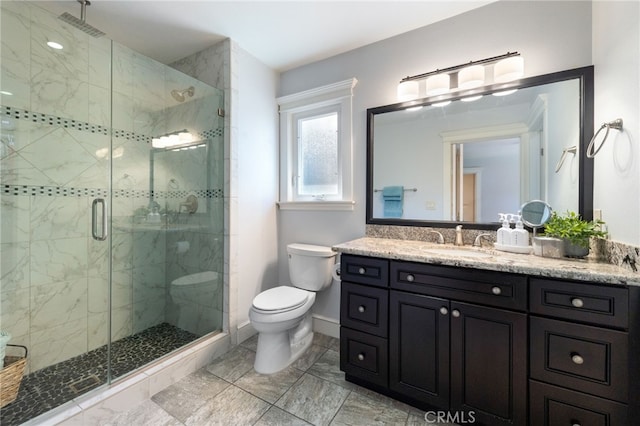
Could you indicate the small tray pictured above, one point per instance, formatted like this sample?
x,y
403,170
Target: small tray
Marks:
x,y
513,249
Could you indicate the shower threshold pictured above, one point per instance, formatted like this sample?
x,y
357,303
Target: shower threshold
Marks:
x,y
52,386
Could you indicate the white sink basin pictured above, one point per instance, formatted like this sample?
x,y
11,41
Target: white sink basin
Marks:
x,y
459,252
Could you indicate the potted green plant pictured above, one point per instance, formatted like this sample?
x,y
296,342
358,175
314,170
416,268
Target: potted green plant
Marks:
x,y
575,232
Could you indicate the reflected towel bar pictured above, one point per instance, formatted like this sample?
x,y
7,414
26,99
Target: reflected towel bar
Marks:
x,y
571,150
406,189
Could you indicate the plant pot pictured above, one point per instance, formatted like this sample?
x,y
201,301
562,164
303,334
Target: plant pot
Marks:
x,y
575,250
548,247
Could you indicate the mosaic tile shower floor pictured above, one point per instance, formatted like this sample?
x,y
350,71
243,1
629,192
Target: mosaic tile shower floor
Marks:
x,y
54,385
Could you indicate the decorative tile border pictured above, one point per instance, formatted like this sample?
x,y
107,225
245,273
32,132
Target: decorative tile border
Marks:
x,y
58,191
52,120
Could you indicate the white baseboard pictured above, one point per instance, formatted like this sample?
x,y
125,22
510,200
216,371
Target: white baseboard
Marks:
x,y
325,325
245,331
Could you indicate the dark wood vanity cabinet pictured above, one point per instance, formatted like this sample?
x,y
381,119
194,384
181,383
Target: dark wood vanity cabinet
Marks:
x,y
510,348
443,352
456,355
582,361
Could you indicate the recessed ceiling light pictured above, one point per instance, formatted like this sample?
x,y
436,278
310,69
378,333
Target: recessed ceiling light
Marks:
x,y
55,45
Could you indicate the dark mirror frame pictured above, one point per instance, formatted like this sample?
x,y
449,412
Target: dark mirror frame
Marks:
x,y
585,175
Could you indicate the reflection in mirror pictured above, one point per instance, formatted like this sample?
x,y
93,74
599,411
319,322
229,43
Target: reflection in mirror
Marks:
x,y
535,213
470,161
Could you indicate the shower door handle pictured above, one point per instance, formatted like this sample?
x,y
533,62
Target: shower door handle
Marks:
x,y
94,219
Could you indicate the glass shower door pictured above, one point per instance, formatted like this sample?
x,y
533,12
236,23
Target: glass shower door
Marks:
x,y
54,162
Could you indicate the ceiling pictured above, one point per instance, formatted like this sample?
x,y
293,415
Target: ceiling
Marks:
x,y
281,34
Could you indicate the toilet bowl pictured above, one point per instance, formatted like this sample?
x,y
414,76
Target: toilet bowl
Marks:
x,y
282,315
194,302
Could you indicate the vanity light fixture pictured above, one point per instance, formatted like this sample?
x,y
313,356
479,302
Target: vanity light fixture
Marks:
x,y
438,84
408,91
506,68
471,98
169,140
471,77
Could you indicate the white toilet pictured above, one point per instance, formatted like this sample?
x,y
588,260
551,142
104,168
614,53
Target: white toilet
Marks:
x,y
194,300
282,315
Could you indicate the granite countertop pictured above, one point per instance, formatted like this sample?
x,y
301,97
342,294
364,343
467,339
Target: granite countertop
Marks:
x,y
490,259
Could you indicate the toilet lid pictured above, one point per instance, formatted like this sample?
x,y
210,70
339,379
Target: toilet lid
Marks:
x,y
279,298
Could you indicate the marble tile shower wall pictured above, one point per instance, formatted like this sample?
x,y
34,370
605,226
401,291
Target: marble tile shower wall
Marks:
x,y
55,137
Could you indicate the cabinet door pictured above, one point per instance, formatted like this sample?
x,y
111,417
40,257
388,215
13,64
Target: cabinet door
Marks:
x,y
489,364
419,347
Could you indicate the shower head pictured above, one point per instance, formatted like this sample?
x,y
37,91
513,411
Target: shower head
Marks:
x,y
80,23
180,95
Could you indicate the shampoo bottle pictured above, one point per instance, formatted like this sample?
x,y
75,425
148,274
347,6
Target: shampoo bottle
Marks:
x,y
520,236
503,236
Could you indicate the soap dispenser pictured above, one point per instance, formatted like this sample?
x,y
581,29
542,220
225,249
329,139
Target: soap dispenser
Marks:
x,y
503,236
154,215
520,236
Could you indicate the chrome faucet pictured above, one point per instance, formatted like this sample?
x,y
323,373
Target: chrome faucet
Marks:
x,y
459,241
478,241
440,237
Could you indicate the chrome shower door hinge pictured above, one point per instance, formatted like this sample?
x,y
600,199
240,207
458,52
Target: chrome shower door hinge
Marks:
x,y
220,112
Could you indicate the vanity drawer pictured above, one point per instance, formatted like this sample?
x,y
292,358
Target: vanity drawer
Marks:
x,y
590,359
601,305
364,356
554,406
364,270
364,308
498,289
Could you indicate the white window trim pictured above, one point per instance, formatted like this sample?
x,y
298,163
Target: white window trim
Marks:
x,y
341,94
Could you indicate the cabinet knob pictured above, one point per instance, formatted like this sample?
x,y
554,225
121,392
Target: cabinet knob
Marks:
x,y
361,271
444,311
360,357
361,308
577,302
496,290
410,278
574,423
455,313
577,359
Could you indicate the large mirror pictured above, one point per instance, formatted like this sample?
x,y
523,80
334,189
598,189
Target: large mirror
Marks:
x,y
431,164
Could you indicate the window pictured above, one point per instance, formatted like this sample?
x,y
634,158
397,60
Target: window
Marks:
x,y
315,144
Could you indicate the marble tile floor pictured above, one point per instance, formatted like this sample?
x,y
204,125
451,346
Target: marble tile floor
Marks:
x,y
52,386
312,391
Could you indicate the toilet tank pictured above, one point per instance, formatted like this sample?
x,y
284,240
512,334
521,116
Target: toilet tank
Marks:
x,y
310,266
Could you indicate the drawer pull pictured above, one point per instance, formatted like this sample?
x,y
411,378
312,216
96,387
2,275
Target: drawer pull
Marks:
x,y
361,271
496,290
361,308
455,313
444,311
577,359
360,357
577,302
410,278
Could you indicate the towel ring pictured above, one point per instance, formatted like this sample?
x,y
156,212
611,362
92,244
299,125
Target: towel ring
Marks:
x,y
570,150
615,124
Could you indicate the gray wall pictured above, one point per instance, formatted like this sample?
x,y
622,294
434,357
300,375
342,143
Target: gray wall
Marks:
x,y
535,29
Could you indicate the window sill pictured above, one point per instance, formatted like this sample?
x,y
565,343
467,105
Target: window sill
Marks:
x,y
317,205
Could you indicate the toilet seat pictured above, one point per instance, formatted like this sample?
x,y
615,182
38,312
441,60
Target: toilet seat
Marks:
x,y
280,299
